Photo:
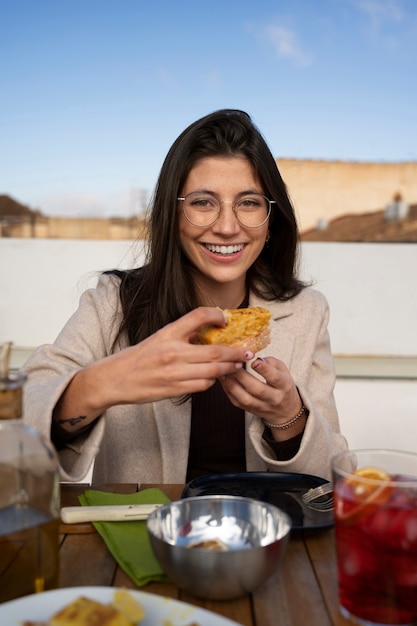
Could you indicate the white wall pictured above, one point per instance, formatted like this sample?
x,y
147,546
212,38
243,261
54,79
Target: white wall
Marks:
x,y
378,413
372,291
371,288
42,279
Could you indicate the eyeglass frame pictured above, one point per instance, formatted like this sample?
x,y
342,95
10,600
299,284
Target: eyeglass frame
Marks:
x,y
220,209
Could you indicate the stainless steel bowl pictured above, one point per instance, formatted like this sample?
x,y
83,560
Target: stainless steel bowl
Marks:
x,y
250,537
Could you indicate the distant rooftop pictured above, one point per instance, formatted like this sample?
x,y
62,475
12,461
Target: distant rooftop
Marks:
x,y
377,226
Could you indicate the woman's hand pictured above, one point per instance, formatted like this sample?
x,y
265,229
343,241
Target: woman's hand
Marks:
x,y
274,399
166,364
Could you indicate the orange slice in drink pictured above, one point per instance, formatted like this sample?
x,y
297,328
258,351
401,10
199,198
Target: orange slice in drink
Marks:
x,y
366,489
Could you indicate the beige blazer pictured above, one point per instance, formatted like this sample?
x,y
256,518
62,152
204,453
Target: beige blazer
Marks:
x,y
148,443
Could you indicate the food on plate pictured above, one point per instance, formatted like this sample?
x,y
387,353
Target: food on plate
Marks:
x,y
123,611
248,328
83,612
126,604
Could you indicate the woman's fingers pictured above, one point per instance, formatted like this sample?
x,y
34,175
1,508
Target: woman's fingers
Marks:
x,y
184,330
189,324
274,396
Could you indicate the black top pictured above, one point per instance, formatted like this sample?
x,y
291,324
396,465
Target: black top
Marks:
x,y
217,439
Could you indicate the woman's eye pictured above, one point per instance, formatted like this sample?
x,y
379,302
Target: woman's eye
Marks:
x,y
203,203
249,203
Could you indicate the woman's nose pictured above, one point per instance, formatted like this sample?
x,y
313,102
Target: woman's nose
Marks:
x,y
227,220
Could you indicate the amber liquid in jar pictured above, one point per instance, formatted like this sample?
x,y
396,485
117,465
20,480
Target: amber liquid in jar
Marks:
x,y
28,553
29,498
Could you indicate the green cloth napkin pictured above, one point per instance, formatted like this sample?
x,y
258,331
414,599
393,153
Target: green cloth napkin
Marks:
x,y
129,542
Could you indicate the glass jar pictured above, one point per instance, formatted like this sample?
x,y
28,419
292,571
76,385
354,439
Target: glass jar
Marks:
x,y
29,500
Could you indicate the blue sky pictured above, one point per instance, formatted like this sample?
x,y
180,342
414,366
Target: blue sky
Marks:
x,y
94,92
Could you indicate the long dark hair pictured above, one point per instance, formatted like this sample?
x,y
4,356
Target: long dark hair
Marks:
x,y
163,289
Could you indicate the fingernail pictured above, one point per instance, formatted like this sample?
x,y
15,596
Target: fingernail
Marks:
x,y
249,355
258,362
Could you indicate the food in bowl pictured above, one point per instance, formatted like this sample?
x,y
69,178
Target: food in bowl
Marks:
x,y
255,534
209,544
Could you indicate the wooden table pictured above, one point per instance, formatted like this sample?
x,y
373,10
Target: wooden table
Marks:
x,y
303,591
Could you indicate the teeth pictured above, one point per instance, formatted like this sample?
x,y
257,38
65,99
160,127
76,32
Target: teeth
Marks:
x,y
224,249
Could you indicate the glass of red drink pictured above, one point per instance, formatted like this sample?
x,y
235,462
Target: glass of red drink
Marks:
x,y
375,494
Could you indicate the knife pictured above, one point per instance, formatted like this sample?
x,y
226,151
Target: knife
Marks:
x,y
107,513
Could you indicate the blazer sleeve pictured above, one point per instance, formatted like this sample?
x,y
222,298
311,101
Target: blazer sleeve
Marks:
x,y
89,335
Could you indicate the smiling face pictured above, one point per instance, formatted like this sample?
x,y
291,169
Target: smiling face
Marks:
x,y
223,252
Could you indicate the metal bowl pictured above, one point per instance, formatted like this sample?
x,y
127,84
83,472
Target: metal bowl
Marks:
x,y
218,547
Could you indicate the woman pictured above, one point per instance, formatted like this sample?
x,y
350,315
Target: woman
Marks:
x,y
124,384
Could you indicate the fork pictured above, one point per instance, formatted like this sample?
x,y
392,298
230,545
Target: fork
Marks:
x,y
311,497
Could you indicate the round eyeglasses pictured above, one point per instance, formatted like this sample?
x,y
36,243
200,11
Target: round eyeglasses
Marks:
x,y
203,209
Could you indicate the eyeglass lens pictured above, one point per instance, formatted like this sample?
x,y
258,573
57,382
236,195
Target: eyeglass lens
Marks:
x,y
203,209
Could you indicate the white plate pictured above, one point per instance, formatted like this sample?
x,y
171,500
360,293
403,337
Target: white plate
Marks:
x,y
159,610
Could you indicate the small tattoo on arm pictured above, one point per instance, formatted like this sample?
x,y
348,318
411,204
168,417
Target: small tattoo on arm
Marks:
x,y
73,421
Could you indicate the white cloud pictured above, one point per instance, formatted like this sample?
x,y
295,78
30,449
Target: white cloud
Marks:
x,y
286,45
123,203
381,10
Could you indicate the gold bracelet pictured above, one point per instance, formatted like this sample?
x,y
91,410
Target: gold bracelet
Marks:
x,y
288,424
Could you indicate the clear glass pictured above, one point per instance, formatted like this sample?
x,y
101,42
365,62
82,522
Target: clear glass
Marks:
x,y
204,209
29,501
376,536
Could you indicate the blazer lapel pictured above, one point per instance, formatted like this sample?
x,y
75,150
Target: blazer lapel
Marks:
x,y
282,340
281,347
